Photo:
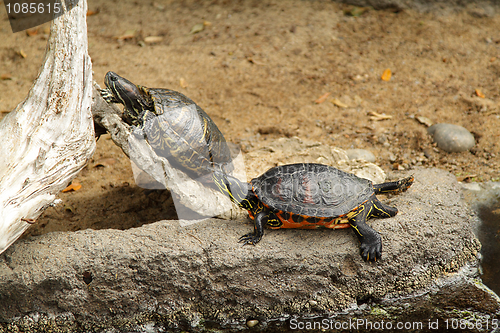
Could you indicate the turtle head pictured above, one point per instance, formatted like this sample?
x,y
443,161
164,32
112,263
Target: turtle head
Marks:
x,y
125,92
235,189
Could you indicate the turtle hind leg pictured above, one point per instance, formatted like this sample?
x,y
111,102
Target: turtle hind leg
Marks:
x,y
394,187
371,242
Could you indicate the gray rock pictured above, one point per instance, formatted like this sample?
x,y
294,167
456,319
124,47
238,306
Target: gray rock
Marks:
x,y
452,138
360,154
184,276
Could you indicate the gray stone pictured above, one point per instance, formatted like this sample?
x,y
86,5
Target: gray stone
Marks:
x,y
185,276
452,138
360,154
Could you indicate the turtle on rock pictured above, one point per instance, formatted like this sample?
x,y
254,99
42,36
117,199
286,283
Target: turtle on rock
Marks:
x,y
309,196
173,125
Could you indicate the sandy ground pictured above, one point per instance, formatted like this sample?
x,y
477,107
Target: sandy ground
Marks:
x,y
257,68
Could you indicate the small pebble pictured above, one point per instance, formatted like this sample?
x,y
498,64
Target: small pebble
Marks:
x,y
252,323
452,138
313,302
428,153
397,166
382,139
360,154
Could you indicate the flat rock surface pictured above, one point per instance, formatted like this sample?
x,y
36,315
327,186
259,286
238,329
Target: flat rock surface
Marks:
x,y
188,271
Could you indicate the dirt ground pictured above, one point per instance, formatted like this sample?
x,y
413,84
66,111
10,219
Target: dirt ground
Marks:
x,y
258,68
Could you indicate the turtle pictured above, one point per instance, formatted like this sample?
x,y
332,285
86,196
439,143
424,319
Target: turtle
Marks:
x,y
173,125
309,196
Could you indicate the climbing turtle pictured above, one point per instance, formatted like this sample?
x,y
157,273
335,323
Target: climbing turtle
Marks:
x,y
308,196
174,126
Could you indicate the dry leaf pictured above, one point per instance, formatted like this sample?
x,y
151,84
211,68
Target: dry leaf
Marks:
x,y
22,53
479,93
322,98
6,76
424,121
183,82
197,28
386,76
253,61
74,186
378,116
207,23
339,103
153,39
32,32
129,34
92,12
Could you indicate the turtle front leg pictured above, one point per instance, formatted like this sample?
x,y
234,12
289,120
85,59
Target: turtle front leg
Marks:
x,y
371,242
258,230
108,96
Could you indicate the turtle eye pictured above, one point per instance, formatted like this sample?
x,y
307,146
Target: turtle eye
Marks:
x,y
113,78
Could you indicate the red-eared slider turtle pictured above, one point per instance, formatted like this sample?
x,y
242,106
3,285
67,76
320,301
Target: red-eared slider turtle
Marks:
x,y
174,126
308,196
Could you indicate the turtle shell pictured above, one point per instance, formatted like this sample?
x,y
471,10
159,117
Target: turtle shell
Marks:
x,y
310,189
182,132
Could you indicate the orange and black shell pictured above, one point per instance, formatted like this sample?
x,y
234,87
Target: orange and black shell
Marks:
x,y
309,195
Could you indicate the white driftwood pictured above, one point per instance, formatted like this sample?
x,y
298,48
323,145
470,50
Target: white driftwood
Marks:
x,y
49,137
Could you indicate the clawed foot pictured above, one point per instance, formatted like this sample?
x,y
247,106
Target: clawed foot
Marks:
x,y
107,95
371,251
250,238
